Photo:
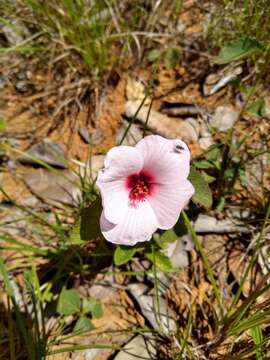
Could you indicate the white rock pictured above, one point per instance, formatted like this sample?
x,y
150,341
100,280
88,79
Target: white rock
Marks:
x,y
92,168
177,251
193,122
149,310
223,118
161,124
134,134
139,347
206,142
15,32
209,224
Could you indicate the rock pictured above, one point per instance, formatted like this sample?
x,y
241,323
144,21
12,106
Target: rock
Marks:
x,y
180,26
196,125
209,224
161,124
134,134
92,168
177,251
3,81
215,82
23,86
49,152
140,347
223,118
95,138
54,188
32,202
102,287
206,142
206,139
15,32
136,91
14,224
97,163
84,133
91,354
160,321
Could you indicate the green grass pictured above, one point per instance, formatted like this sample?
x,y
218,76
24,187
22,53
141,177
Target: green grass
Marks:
x,y
238,20
97,39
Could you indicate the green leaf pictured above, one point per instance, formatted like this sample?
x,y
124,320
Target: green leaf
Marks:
x,y
83,324
203,164
69,302
172,57
208,178
153,55
162,261
237,50
123,254
257,108
169,236
89,223
75,234
203,194
92,306
221,203
5,278
2,124
243,177
257,335
213,154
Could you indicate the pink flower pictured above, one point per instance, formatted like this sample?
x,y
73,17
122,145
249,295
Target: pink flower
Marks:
x,y
143,188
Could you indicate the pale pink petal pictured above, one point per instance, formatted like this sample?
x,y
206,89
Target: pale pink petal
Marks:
x,y
167,160
120,162
169,200
138,224
115,199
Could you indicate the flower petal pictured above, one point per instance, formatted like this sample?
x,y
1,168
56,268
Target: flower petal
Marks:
x,y
115,199
120,162
167,160
169,200
138,224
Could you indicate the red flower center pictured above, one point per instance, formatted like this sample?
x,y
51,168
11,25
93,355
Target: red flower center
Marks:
x,y
139,186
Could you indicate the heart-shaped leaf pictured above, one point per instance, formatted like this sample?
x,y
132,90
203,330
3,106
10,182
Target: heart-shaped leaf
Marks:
x,y
92,306
123,254
203,194
69,302
162,261
237,50
83,324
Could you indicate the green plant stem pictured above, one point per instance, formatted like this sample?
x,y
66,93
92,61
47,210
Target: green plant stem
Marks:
x,y
133,119
206,263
